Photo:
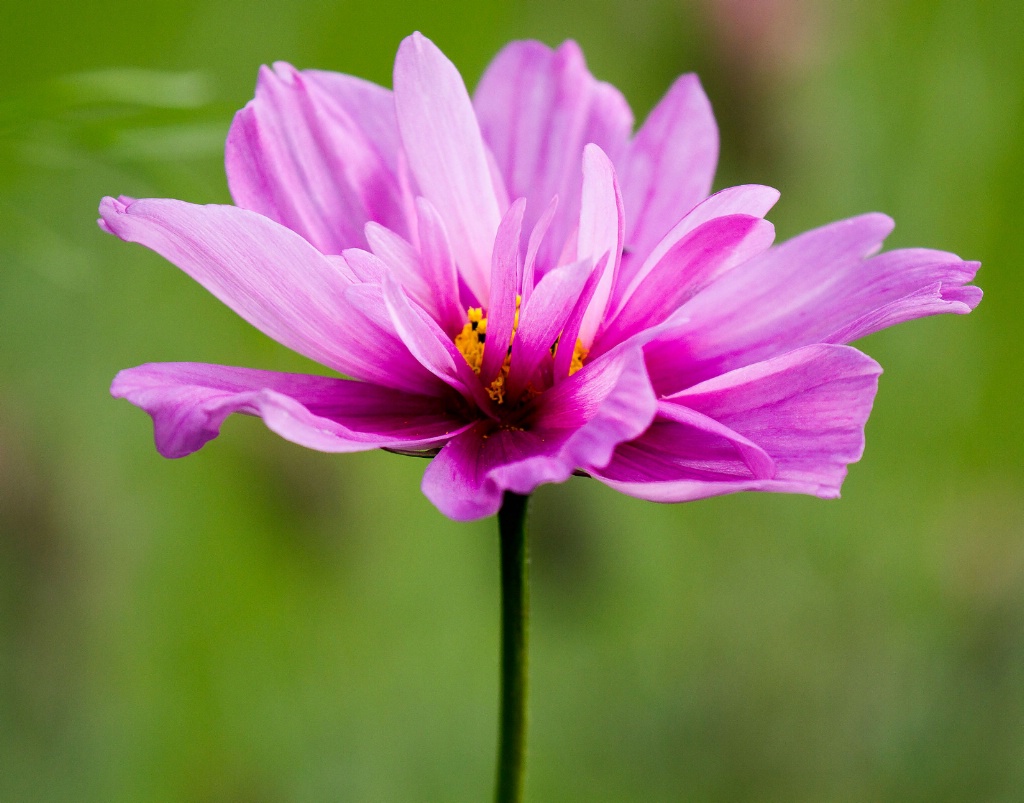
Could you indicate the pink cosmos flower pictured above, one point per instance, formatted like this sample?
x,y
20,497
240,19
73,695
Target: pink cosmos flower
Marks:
x,y
522,286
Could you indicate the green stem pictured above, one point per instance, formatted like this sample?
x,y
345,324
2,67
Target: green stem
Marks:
x,y
515,604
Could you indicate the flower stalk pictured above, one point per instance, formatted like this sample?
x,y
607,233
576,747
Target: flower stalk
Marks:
x,y
514,643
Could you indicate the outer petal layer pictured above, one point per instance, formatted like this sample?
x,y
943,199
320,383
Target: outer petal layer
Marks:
x,y
538,108
189,401
748,199
543,316
277,282
670,164
600,232
301,153
697,259
446,154
820,287
578,425
805,410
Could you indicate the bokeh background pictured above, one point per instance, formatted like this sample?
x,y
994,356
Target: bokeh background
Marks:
x,y
262,623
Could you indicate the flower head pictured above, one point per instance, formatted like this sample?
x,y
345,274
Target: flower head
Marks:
x,y
524,288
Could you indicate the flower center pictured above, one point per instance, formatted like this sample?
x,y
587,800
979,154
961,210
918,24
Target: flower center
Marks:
x,y
472,340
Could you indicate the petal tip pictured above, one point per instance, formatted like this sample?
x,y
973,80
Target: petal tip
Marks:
x,y
593,154
571,50
110,206
111,211
690,80
285,71
879,221
970,296
118,385
415,44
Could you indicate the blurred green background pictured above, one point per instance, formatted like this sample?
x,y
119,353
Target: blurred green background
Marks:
x,y
262,623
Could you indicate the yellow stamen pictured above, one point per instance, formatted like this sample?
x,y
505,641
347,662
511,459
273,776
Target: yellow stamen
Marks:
x,y
579,354
472,340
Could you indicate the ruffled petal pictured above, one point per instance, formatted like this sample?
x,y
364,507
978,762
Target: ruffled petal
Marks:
x,y
457,480
188,402
428,343
506,279
818,287
749,199
600,232
402,260
610,396
900,286
533,246
439,269
669,165
376,350
577,425
538,108
806,410
314,162
694,262
541,320
446,154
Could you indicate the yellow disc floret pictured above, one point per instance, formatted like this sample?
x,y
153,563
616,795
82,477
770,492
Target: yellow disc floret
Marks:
x,y
472,340
579,354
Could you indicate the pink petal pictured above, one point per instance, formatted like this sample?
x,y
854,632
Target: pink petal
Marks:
x,y
670,164
376,351
428,343
600,232
755,459
608,401
579,426
903,285
366,268
370,106
570,333
189,401
805,409
266,273
541,320
533,247
446,154
457,480
699,258
818,287
538,108
505,281
402,260
439,271
749,199
344,268
300,157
